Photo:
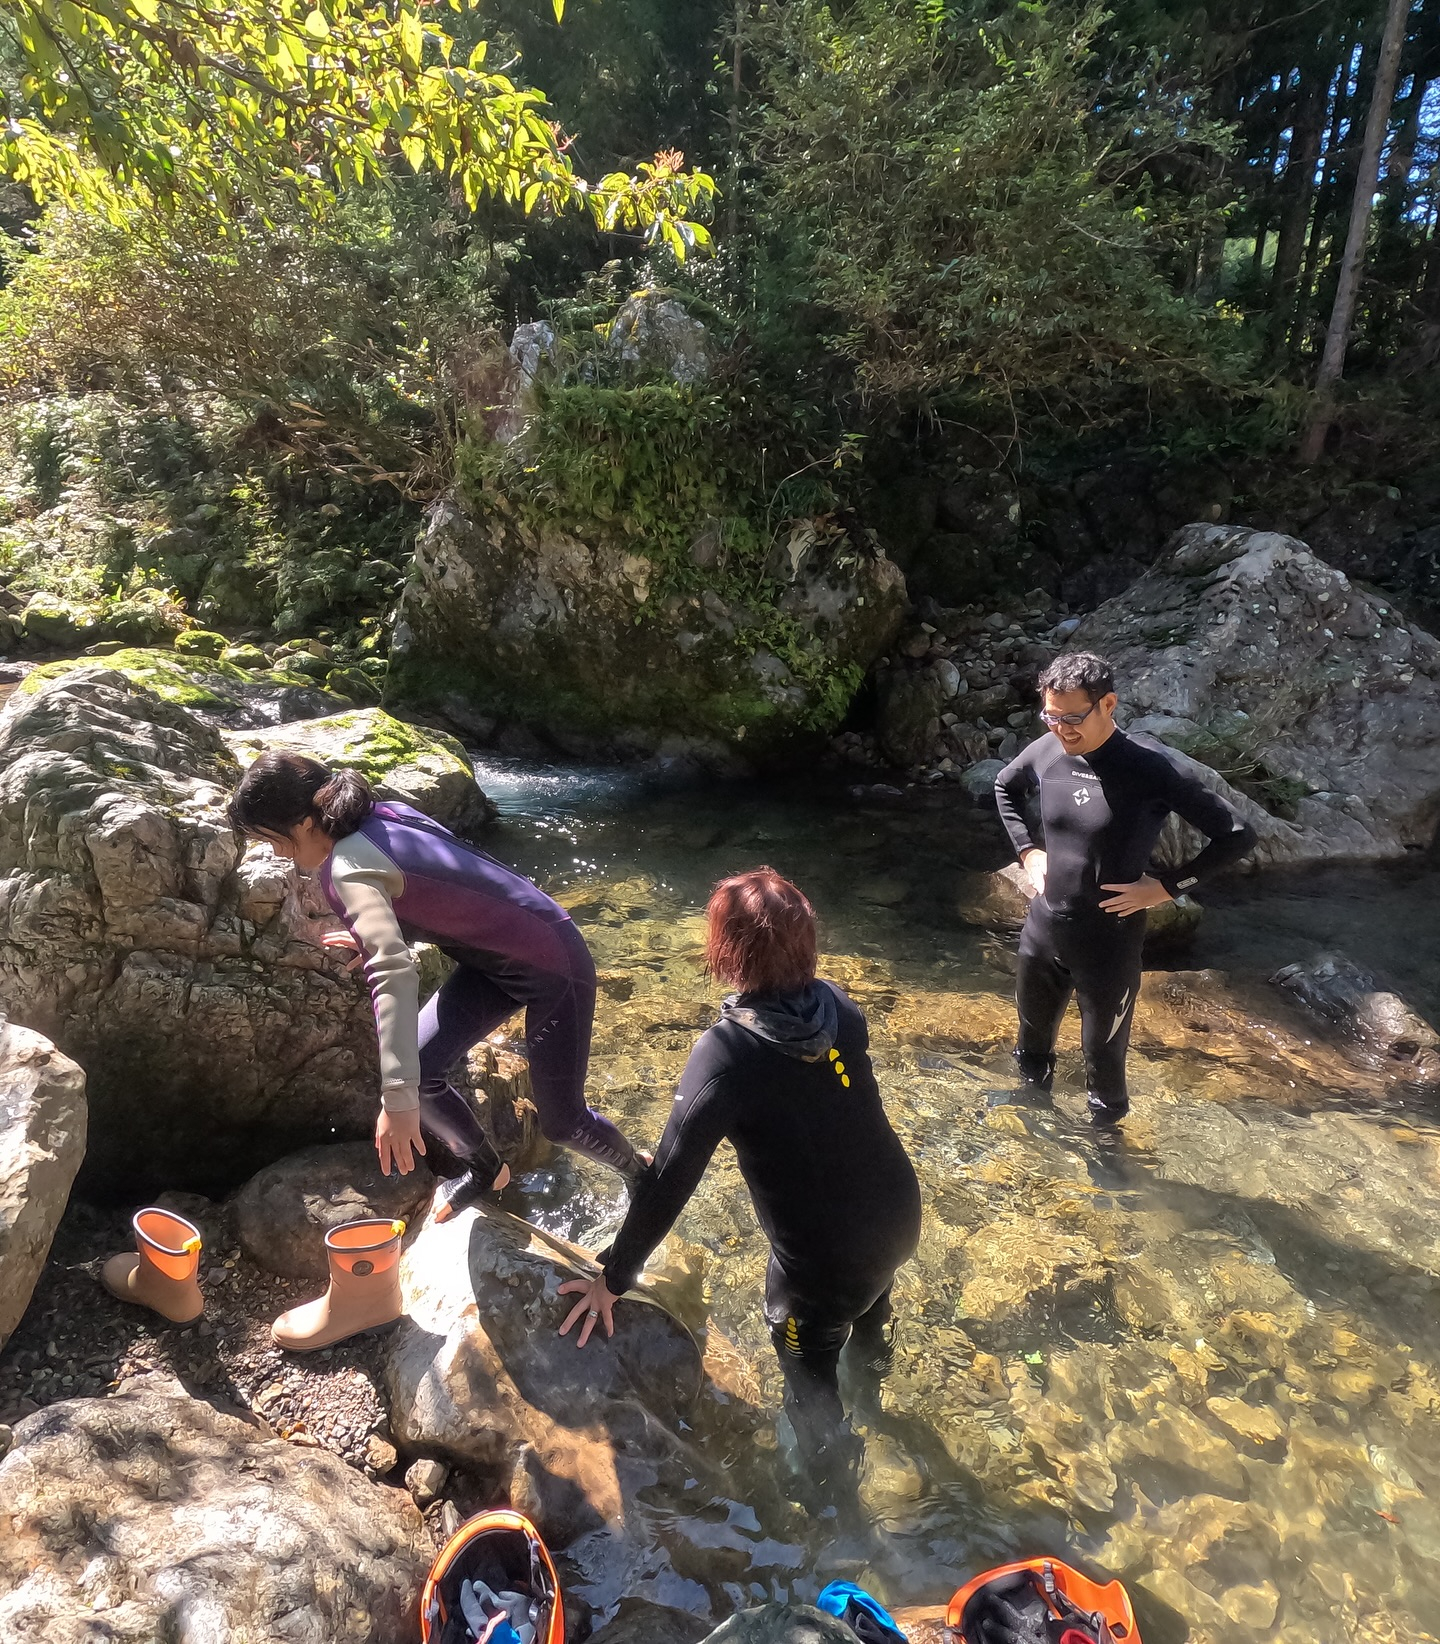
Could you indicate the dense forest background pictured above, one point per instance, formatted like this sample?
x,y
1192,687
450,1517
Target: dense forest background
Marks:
x,y
1018,287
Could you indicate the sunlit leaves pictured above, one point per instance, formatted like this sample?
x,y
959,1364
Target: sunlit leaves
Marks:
x,y
175,101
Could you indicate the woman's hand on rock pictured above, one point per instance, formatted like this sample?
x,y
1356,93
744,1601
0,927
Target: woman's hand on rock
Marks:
x,y
596,1303
1144,893
398,1139
340,942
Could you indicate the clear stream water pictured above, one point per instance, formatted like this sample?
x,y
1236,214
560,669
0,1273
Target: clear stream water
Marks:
x,y
1205,1358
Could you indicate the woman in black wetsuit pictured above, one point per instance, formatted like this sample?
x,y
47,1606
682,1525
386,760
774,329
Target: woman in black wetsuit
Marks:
x,y
784,1076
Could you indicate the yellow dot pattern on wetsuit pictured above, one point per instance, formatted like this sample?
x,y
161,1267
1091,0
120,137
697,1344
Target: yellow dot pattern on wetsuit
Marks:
x,y
792,1335
839,1067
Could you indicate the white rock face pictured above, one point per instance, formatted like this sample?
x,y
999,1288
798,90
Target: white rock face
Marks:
x,y
1244,648
654,330
184,977
149,1515
42,1141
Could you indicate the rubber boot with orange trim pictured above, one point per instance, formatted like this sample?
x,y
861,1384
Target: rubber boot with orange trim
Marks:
x,y
162,1273
364,1291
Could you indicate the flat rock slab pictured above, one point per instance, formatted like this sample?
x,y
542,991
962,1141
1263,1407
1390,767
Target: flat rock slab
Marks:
x,y
42,1141
151,1515
478,1374
283,1213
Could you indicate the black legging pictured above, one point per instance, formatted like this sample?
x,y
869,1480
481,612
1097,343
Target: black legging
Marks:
x,y
809,1328
1096,956
559,1016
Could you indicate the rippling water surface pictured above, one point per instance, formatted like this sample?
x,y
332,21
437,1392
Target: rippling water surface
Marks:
x,y
1205,1357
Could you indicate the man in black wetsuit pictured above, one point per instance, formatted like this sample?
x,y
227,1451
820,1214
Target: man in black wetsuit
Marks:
x,y
1103,798
785,1076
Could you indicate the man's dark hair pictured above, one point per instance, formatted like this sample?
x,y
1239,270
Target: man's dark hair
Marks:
x,y
1079,671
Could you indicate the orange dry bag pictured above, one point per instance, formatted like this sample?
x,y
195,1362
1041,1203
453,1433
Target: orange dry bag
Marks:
x,y
1041,1601
494,1583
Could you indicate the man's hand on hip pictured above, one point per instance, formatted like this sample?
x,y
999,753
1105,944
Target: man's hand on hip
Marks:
x,y
1144,893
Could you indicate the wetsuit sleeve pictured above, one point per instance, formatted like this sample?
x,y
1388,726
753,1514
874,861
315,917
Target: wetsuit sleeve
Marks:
x,y
1012,786
1230,835
695,1128
366,881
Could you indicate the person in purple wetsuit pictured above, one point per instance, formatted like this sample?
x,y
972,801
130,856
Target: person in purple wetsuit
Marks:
x,y
395,877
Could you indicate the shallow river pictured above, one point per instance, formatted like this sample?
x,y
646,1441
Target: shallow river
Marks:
x,y
1205,1358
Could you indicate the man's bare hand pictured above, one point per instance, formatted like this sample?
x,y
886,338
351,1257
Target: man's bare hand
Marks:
x,y
1143,893
1035,863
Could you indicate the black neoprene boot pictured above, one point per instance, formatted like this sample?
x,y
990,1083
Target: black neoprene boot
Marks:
x,y
472,1186
1035,1070
1106,1113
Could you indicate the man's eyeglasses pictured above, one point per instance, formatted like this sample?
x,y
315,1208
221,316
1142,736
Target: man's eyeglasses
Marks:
x,y
1052,720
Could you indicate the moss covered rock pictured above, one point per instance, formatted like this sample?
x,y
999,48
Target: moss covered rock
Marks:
x,y
420,767
250,657
49,620
201,642
580,638
213,687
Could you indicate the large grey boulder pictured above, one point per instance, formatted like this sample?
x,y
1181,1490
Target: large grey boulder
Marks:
x,y
42,1141
183,976
578,637
1315,696
477,1374
150,1515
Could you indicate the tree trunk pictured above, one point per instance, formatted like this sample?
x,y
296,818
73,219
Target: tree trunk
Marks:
x,y
1299,189
1325,193
1332,362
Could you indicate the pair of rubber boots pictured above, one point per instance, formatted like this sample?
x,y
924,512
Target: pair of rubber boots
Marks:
x,y
163,1274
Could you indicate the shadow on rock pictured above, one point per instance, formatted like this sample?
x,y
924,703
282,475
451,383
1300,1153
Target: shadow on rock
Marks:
x,y
477,1373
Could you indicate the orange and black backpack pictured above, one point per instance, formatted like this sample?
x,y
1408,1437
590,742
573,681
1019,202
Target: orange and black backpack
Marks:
x,y
494,1582
1040,1601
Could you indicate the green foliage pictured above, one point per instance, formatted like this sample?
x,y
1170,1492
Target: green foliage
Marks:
x,y
124,512
976,206
659,466
164,102
344,330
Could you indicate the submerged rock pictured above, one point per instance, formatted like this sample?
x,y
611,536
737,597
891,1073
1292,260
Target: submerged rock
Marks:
x,y
42,1141
185,977
1351,999
150,1515
1244,649
283,1213
478,1374
423,768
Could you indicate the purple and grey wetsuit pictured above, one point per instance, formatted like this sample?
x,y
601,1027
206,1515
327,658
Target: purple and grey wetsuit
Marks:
x,y
514,948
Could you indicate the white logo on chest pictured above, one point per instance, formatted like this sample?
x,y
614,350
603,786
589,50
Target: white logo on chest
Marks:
x,y
1081,796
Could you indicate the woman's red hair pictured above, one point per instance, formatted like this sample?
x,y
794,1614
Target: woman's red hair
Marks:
x,y
762,934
